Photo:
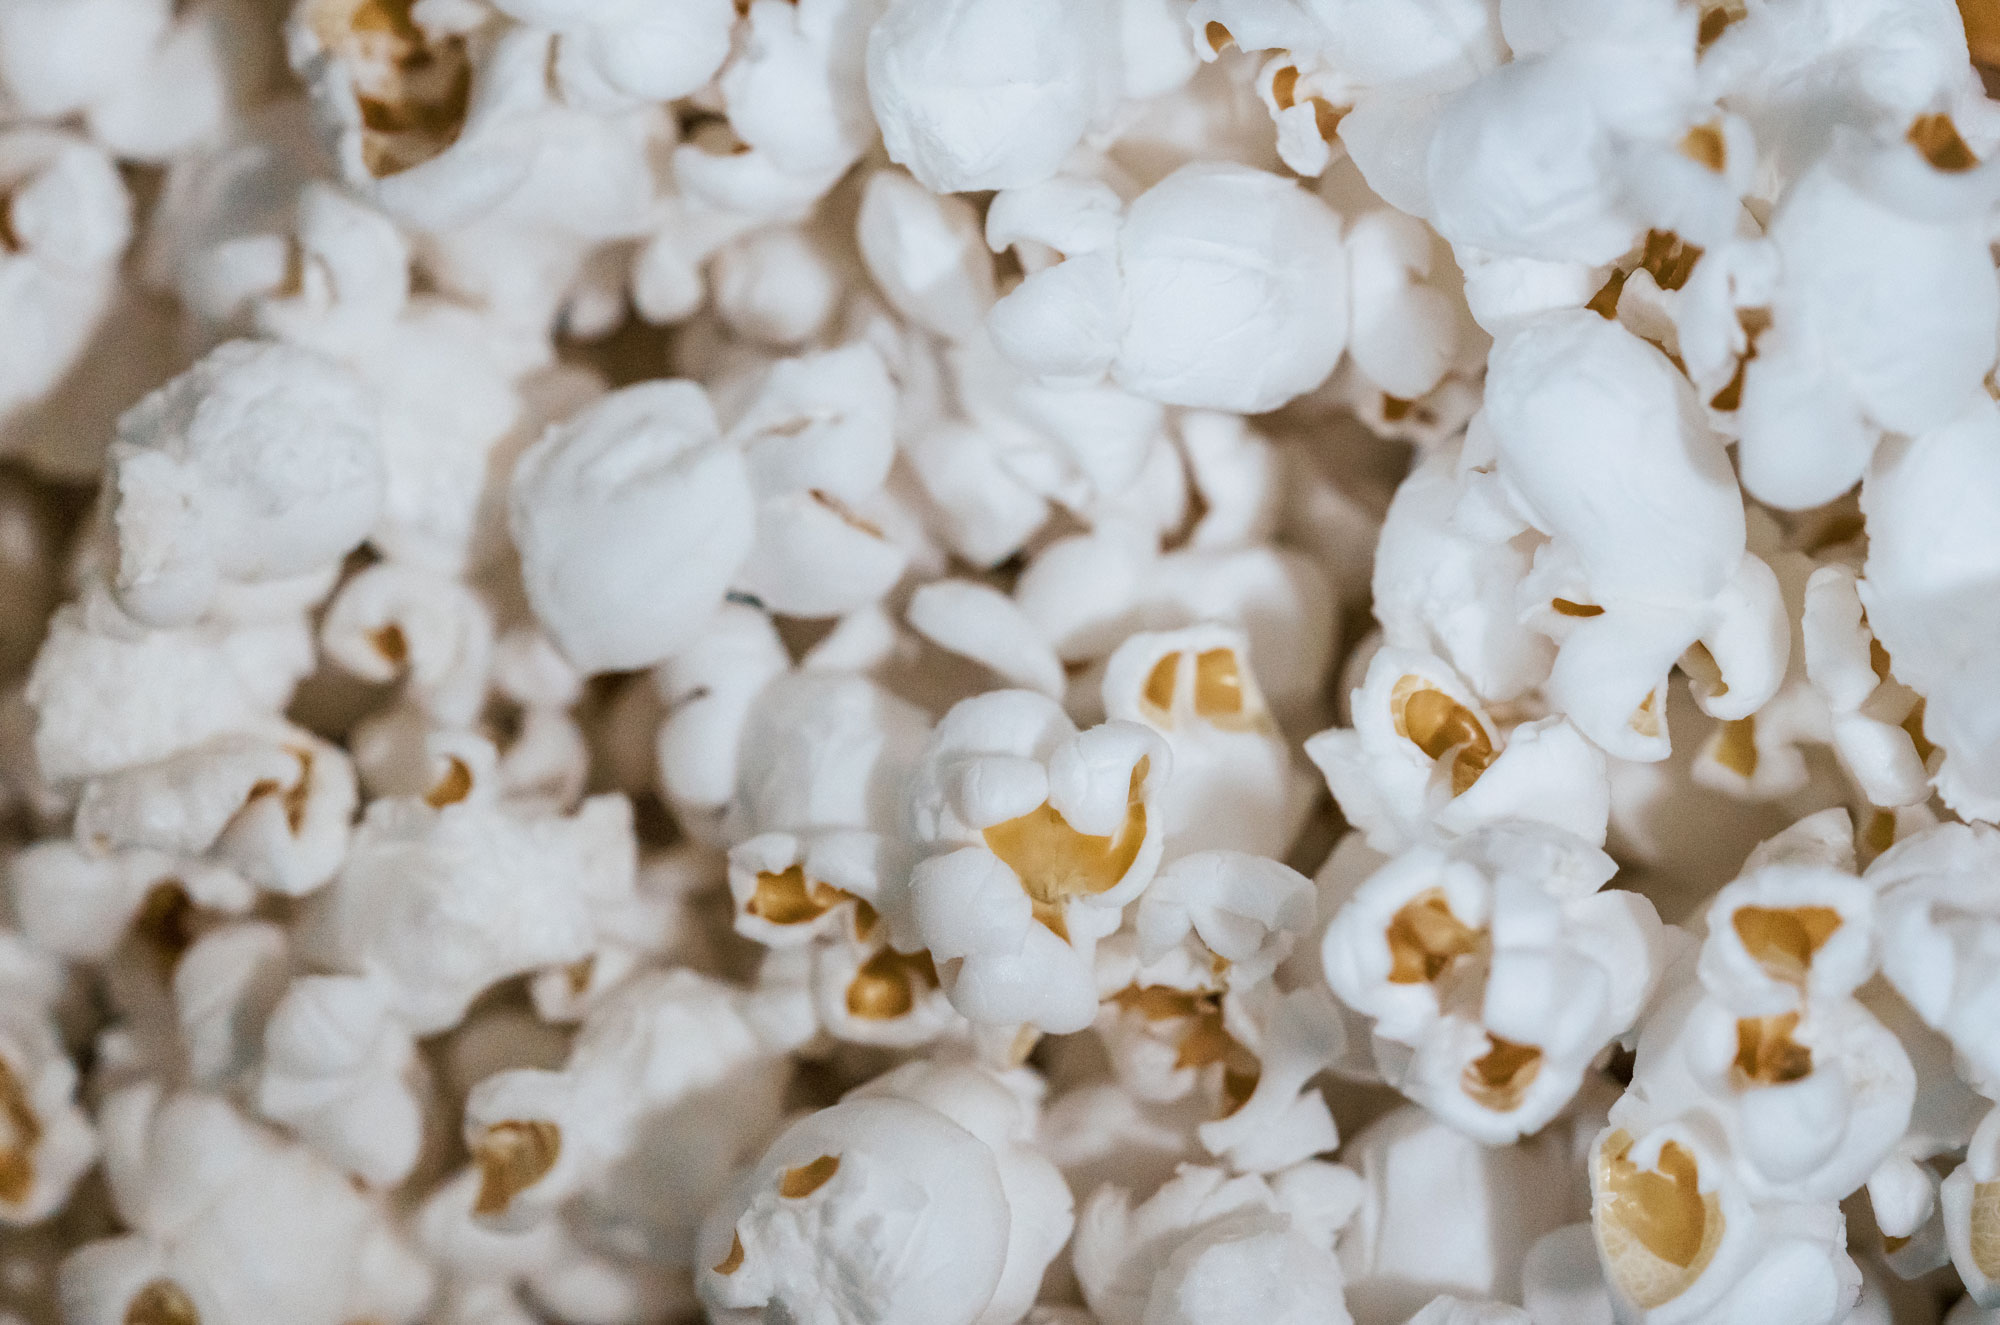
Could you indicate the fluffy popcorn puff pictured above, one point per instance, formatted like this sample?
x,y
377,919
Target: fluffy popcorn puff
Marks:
x,y
443,895
1598,443
217,482
1036,836
645,52
1179,300
674,1073
46,1141
205,1193
983,94
1495,971
916,1198
1925,585
1425,760
632,518
1207,1248
1939,924
1233,783
69,220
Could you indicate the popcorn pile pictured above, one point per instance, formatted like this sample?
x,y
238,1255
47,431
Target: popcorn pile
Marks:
x,y
649,667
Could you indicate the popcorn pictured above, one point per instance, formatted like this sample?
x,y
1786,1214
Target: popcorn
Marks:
x,y
622,621
913,1199
68,222
1501,969
1037,836
1206,1247
977,95
1272,299
1641,588
201,1188
640,484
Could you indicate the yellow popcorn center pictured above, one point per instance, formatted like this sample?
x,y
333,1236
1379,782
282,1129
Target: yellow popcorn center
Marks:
x,y
291,799
1500,1078
1439,725
1937,138
733,1262
161,1302
1425,938
1982,29
1646,718
1205,1042
453,787
1715,21
1656,1228
1985,1232
806,1179
1783,939
1704,145
413,92
1668,258
786,897
20,1133
512,1157
1161,683
390,642
1055,862
887,985
1218,37
1564,607
166,923
1218,684
1754,321
1221,696
1284,92
1736,747
1766,1054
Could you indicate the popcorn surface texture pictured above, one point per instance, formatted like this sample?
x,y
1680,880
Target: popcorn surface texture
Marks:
x,y
1000,662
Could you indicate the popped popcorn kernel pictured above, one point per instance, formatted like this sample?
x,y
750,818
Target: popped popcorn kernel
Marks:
x,y
1656,1228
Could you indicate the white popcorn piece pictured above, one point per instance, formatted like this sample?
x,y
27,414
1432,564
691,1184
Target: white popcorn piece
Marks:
x,y
664,1051
976,94
1870,712
1209,1248
68,221
1680,1240
275,809
435,117
631,519
1968,1198
206,1193
1444,585
979,622
1930,558
1500,966
109,694
925,254
1233,785
818,440
341,1072
1442,1213
1037,836
403,621
1189,305
796,88
1860,338
46,1141
1596,438
643,52
443,895
913,1199
1939,921
1423,759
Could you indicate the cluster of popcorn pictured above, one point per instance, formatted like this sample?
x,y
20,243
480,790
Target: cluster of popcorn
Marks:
x,y
958,662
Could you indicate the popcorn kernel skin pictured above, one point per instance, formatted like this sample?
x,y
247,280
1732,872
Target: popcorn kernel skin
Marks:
x,y
161,1302
1657,1229
1055,862
1783,940
513,1156
20,1133
803,1181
